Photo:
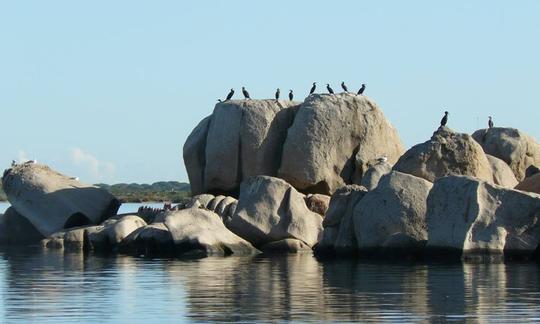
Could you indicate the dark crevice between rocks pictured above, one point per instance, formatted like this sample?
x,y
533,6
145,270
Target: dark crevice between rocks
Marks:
x,y
202,153
286,111
349,169
239,171
111,210
76,220
321,187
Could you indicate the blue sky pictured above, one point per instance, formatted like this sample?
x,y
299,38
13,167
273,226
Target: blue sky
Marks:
x,y
109,90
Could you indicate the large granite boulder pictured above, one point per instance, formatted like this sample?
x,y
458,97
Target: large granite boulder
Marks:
x,y
152,239
198,232
15,229
393,215
446,153
124,226
269,209
371,177
530,184
240,139
52,201
467,215
338,235
511,145
333,140
502,174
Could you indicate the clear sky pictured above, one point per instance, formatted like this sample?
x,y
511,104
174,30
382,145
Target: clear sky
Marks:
x,y
109,90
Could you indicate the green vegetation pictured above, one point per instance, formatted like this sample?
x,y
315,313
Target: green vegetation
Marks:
x,y
171,191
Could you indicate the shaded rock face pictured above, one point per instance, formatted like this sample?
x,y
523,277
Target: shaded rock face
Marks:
x,y
530,184
393,215
199,232
152,239
446,153
514,147
318,203
371,177
269,209
240,139
286,246
296,142
15,229
338,235
52,201
502,174
333,139
469,215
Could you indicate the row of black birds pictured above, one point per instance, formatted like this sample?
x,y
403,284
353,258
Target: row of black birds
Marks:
x,y
444,120
291,95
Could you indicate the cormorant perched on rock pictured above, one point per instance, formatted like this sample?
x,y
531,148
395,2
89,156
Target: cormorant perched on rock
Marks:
x,y
13,163
229,96
246,94
290,95
313,88
490,122
344,86
219,100
330,91
277,94
361,91
444,120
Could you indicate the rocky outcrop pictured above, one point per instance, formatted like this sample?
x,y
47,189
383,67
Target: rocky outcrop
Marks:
x,y
393,215
514,147
338,235
152,239
198,232
286,246
52,201
120,229
530,184
446,153
296,142
467,215
371,177
15,229
269,209
332,141
502,174
240,139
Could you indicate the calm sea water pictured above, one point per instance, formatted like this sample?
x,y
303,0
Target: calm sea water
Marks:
x,y
57,287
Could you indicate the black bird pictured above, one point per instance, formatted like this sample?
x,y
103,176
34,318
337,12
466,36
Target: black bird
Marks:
x,y
229,96
13,163
344,86
246,94
330,91
313,88
361,91
277,94
490,122
219,100
290,95
444,120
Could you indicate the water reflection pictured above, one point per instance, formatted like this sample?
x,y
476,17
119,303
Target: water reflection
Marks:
x,y
52,286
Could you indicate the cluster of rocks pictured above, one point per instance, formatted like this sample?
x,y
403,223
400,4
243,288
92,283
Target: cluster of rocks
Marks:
x,y
328,175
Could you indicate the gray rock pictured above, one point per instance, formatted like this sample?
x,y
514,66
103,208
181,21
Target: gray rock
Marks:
x,y
269,209
446,153
199,232
119,230
286,246
52,201
222,209
200,201
333,139
530,184
15,229
468,215
195,156
152,239
393,214
502,174
318,203
371,177
245,138
338,235
212,205
514,147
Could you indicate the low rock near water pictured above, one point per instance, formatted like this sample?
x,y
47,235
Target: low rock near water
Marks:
x,y
511,145
468,215
447,152
15,229
269,209
198,232
393,215
52,201
338,235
